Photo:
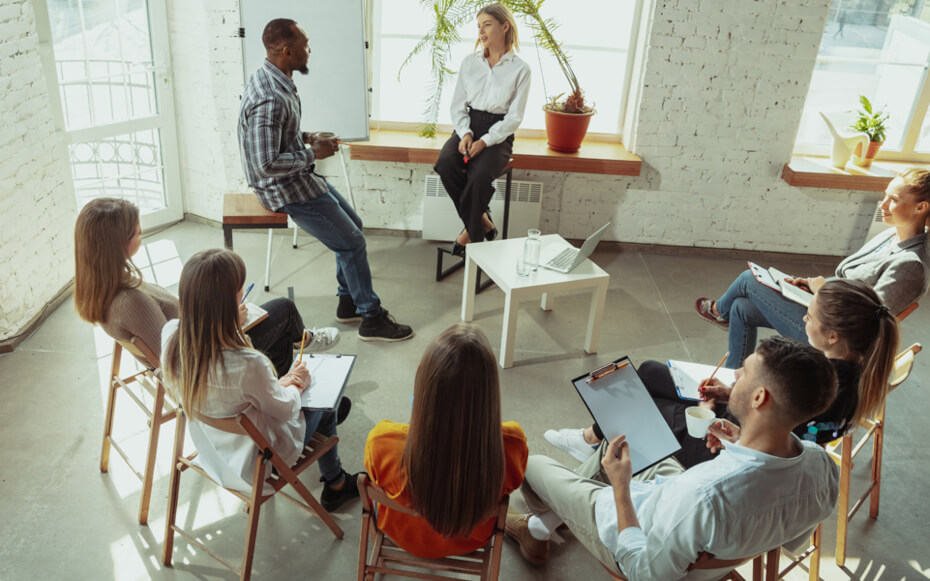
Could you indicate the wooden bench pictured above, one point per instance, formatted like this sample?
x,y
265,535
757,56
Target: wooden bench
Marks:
x,y
245,212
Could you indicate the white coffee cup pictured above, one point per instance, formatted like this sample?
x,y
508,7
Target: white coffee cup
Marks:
x,y
698,420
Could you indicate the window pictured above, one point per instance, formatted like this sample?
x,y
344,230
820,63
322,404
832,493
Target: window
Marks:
x,y
880,49
599,49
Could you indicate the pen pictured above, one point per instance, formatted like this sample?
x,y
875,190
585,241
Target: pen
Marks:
x,y
466,159
247,291
709,379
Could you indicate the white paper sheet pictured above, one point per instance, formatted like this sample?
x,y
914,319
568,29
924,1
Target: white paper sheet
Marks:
x,y
329,374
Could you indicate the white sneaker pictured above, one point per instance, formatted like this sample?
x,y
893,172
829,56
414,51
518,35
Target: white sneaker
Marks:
x,y
571,441
319,339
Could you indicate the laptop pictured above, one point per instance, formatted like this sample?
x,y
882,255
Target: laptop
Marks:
x,y
566,260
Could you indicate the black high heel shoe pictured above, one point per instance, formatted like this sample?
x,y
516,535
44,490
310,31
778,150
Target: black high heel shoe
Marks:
x,y
458,249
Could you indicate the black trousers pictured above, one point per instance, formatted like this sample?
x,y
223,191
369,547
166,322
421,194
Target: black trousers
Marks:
x,y
469,185
659,384
276,335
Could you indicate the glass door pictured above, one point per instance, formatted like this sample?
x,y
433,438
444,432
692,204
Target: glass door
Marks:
x,y
108,66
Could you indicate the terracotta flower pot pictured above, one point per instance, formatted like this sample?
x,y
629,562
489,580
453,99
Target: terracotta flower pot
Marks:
x,y
870,153
566,131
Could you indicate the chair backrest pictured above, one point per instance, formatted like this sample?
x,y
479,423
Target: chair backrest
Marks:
x,y
907,311
142,352
903,364
234,425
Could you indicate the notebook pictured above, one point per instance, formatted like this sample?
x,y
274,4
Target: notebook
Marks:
x,y
565,260
329,375
255,315
619,403
688,376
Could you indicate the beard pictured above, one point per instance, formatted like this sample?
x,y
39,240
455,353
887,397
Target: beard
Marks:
x,y
304,70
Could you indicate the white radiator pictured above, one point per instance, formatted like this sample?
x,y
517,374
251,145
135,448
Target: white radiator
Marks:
x,y
441,222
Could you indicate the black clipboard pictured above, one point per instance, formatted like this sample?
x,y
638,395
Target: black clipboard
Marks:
x,y
618,401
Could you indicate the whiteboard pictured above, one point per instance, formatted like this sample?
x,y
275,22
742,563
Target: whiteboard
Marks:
x,y
334,95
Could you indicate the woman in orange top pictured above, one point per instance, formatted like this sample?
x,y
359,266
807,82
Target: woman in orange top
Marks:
x,y
455,460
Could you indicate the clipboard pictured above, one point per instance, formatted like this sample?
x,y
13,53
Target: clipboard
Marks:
x,y
618,401
687,377
329,375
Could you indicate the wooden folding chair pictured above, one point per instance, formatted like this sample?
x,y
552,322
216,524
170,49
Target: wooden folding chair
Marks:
x,y
163,409
875,428
907,311
386,557
708,561
285,475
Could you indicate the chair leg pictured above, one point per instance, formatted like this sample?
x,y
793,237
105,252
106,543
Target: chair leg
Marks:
x,y
842,506
294,243
877,443
771,564
148,474
268,262
255,504
506,228
173,489
317,508
111,406
814,566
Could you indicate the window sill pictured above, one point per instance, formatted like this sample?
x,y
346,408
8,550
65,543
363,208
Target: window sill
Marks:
x,y
817,172
528,153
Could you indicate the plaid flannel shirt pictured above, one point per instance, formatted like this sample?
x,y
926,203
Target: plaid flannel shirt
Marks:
x,y
277,164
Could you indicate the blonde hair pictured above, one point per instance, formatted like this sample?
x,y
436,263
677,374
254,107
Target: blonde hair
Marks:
x,y
102,265
454,454
209,323
917,182
502,14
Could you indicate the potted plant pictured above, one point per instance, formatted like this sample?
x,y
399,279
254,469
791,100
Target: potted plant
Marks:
x,y
872,123
566,120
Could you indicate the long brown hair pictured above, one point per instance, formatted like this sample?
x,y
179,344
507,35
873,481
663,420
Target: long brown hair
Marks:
x,y
852,309
209,323
454,455
502,14
102,265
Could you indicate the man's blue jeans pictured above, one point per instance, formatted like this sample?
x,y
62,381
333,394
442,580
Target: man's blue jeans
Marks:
x,y
749,304
334,223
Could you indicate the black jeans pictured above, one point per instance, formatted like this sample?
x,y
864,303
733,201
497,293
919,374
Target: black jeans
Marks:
x,y
470,185
276,335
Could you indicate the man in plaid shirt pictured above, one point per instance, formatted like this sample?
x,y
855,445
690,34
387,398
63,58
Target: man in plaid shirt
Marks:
x,y
280,168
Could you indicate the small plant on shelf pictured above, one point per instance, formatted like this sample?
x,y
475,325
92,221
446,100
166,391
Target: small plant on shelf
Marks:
x,y
870,121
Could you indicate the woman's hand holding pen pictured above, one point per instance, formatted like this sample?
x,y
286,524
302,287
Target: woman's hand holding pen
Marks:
x,y
476,147
243,314
465,143
811,285
721,431
298,376
714,389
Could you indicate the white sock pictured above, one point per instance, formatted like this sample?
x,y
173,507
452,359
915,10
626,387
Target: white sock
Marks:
x,y
542,526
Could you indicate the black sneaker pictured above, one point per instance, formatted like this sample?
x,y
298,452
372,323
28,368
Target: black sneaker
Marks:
x,y
332,499
345,404
383,327
346,312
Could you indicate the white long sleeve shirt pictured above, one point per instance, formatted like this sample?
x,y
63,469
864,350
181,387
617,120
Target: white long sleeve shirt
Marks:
x,y
738,505
501,89
247,384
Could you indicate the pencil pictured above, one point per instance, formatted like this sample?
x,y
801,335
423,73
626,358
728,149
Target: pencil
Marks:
x,y
709,379
303,339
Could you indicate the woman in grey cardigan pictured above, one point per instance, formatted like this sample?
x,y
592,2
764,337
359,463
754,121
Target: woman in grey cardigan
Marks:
x,y
896,263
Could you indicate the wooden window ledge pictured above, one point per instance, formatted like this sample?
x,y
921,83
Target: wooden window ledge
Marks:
x,y
528,153
818,172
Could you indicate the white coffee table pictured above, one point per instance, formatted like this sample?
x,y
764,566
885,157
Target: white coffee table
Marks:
x,y
498,260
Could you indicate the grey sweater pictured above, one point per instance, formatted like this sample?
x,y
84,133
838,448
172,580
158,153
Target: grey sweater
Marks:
x,y
899,272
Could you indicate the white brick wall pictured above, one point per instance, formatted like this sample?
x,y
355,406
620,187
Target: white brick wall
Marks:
x,y
724,85
36,197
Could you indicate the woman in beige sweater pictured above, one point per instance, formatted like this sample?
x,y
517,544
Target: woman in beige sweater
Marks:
x,y
109,290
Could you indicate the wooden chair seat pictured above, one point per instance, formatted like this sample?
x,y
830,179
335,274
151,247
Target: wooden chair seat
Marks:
x,y
387,558
279,478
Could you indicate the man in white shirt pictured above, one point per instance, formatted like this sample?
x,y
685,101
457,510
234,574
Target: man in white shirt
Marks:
x,y
767,488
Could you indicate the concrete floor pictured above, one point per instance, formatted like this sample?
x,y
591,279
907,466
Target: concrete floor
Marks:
x,y
62,518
